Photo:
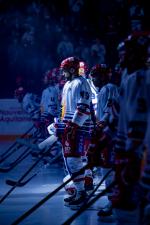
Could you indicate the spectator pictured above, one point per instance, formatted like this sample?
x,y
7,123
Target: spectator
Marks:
x,y
98,52
65,47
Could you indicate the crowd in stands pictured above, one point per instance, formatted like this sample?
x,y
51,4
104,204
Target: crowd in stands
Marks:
x,y
37,35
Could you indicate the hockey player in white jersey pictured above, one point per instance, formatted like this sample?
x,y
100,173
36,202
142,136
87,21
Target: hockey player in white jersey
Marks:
x,y
76,98
50,104
145,178
129,149
104,99
20,89
103,91
31,104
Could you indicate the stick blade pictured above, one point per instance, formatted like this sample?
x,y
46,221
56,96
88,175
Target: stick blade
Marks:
x,y
5,169
13,183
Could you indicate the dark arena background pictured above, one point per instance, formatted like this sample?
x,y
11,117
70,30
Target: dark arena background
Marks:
x,y
31,32
35,37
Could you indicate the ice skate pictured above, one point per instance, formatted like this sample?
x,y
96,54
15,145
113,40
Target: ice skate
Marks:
x,y
78,200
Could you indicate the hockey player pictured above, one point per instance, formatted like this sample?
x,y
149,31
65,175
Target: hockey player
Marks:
x,y
104,99
129,149
145,178
76,98
20,89
50,105
60,81
31,104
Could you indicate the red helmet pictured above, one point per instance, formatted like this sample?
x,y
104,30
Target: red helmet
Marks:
x,y
49,77
100,74
137,40
71,62
19,93
99,69
136,46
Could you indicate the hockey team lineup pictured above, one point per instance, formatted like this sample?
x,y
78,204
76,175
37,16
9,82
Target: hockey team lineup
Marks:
x,y
94,121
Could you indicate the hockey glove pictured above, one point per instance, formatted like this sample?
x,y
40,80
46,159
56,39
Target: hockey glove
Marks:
x,y
69,139
127,173
93,153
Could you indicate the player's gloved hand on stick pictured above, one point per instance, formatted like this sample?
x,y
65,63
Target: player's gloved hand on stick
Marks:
x,y
69,139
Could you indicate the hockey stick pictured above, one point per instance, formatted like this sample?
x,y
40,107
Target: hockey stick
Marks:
x,y
14,147
87,205
16,162
21,184
20,158
44,144
30,169
17,147
27,143
50,195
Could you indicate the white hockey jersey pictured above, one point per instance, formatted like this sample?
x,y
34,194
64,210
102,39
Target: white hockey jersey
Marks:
x,y
50,104
31,105
147,90
95,92
102,100
133,112
145,180
76,99
106,98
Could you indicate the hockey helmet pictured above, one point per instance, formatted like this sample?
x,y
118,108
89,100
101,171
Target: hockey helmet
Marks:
x,y
100,74
138,41
136,46
98,70
19,93
49,77
70,63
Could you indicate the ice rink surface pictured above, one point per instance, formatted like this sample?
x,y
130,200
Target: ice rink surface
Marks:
x,y
21,199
